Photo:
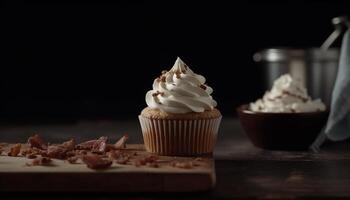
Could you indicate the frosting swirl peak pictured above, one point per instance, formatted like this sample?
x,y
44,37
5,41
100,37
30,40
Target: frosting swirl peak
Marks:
x,y
287,95
180,90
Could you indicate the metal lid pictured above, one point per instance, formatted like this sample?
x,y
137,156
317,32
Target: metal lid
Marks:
x,y
288,54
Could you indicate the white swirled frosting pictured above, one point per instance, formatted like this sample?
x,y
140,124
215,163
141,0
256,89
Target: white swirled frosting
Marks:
x,y
180,90
286,96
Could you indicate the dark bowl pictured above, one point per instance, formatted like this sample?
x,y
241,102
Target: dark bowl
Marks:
x,y
282,131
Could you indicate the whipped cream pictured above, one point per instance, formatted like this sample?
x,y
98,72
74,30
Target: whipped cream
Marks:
x,y
180,90
287,96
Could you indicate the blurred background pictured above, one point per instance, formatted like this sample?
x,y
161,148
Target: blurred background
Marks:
x,y
68,60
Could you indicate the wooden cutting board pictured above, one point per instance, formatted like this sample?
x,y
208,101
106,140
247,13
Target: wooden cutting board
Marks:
x,y
62,176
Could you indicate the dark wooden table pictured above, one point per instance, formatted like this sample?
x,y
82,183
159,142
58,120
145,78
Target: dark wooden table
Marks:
x,y
243,171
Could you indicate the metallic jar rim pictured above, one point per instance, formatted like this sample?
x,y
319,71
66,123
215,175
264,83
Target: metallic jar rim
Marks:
x,y
286,54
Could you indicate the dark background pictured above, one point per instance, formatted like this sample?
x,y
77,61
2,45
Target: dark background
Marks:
x,y
96,59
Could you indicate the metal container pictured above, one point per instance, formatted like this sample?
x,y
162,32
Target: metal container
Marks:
x,y
316,68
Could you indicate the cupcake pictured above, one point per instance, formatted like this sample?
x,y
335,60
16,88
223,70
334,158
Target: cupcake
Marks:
x,y
181,118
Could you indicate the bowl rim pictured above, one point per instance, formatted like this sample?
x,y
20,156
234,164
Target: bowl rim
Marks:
x,y
243,109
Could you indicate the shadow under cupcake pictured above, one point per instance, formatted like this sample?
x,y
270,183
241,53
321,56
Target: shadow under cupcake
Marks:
x,y
181,118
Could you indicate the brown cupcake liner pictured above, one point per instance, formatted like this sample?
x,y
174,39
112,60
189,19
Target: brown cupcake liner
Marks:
x,y
180,137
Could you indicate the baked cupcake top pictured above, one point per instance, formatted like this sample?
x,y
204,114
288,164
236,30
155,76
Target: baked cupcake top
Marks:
x,y
180,90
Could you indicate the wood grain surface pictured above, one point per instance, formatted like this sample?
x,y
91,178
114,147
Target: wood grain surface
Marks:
x,y
15,175
242,170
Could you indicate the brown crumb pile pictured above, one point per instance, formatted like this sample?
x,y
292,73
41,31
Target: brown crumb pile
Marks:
x,y
15,150
95,154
